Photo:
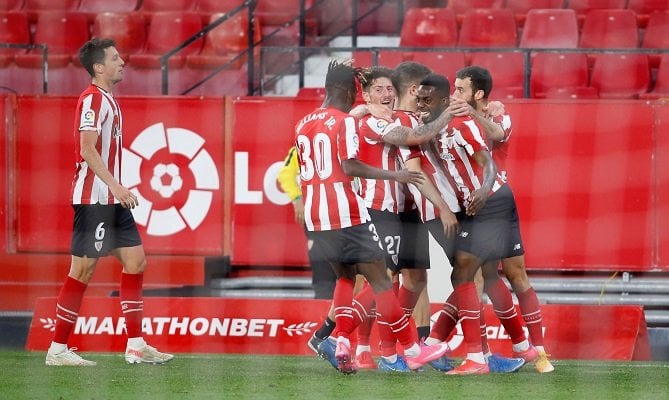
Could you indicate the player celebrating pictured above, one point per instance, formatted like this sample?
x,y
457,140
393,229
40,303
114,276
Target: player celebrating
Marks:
x,y
103,222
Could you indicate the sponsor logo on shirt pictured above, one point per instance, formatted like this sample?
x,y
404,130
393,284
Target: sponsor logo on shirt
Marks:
x,y
88,118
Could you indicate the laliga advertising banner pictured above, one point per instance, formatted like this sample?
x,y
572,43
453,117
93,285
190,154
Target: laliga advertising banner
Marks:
x,y
172,161
263,132
252,326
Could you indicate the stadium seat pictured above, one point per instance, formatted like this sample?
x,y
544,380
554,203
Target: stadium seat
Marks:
x,y
558,70
643,9
582,7
166,31
609,29
444,63
208,7
571,93
34,7
94,7
461,7
550,28
656,35
167,5
488,28
429,27
224,42
63,33
521,7
661,87
620,76
507,70
127,29
14,28
7,5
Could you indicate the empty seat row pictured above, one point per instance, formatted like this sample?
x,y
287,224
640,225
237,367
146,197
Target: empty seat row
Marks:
x,y
552,74
544,28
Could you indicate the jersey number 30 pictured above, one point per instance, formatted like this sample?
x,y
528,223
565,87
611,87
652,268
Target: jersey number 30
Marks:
x,y
315,157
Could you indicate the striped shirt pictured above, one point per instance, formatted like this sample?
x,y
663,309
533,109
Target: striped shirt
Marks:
x,y
324,139
97,111
456,146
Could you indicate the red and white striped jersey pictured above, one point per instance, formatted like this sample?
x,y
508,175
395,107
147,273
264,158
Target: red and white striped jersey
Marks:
x,y
456,146
97,111
324,139
381,194
500,149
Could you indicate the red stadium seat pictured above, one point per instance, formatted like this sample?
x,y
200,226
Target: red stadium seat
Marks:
x,y
620,76
14,28
550,28
224,42
488,28
168,5
127,29
7,5
551,71
661,87
446,63
656,35
571,93
507,70
429,27
643,9
208,7
34,7
609,29
460,7
94,7
582,7
522,7
278,12
167,30
63,32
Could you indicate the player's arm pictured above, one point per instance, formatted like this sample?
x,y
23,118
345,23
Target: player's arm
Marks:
x,y
87,141
493,130
404,136
479,196
288,182
355,167
377,110
428,190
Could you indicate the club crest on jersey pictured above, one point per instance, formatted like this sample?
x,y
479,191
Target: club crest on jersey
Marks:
x,y
88,119
98,246
447,156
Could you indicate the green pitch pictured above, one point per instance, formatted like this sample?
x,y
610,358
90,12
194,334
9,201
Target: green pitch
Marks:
x,y
23,375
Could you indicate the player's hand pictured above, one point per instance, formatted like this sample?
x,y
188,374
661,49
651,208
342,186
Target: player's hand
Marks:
x,y
460,108
125,196
450,223
476,201
406,176
494,109
298,208
380,111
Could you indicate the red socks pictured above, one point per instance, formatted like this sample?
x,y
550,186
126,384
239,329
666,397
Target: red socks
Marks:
x,y
389,313
469,312
342,300
132,303
505,310
448,318
67,309
529,306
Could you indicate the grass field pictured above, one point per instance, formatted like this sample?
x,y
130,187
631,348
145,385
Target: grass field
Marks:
x,y
24,376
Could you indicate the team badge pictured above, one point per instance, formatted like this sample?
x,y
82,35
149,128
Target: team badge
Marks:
x,y
98,246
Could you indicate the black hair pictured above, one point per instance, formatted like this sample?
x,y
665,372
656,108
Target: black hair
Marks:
x,y
341,77
369,75
480,77
408,73
440,83
93,52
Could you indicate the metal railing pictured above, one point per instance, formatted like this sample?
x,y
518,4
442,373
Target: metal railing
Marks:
x,y
45,61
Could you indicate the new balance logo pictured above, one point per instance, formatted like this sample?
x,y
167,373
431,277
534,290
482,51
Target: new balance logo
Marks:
x,y
516,246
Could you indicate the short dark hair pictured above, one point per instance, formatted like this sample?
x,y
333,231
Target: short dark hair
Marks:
x,y
480,77
341,76
439,82
408,73
93,52
369,75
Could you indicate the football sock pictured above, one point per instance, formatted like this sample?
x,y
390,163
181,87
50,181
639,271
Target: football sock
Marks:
x,y
446,320
342,300
529,306
390,313
484,331
506,311
132,303
67,308
469,312
326,329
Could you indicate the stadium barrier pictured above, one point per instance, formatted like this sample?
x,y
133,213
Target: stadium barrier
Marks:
x,y
254,326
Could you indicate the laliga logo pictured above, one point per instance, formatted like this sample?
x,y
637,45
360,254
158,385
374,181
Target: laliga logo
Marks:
x,y
173,177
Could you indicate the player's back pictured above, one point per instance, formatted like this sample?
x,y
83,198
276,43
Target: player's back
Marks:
x,y
324,139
